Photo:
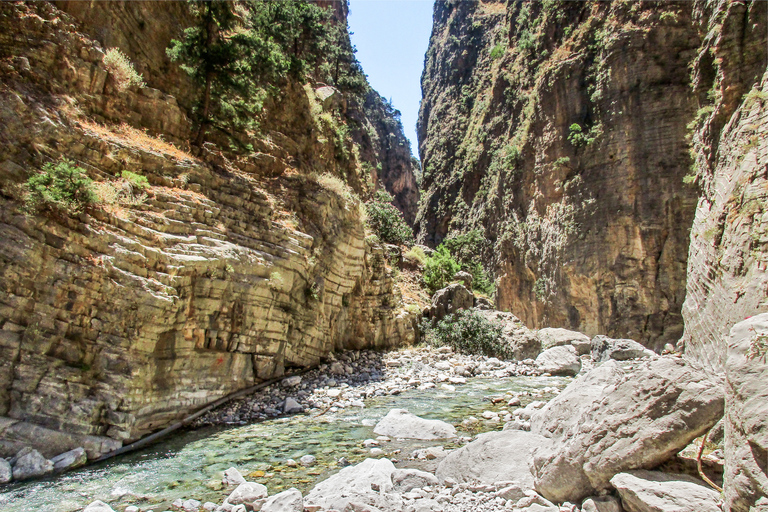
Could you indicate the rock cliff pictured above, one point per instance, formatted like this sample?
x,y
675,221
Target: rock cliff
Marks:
x,y
224,270
559,130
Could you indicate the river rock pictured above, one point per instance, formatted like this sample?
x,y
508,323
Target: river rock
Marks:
x,y
248,494
611,420
290,382
402,424
292,406
98,506
69,460
654,491
404,480
232,477
6,472
601,504
522,341
286,501
556,337
605,348
746,398
561,360
493,457
369,483
307,460
450,300
31,465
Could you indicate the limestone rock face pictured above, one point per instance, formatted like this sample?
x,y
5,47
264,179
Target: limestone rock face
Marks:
x,y
450,300
636,418
746,414
728,255
402,424
653,491
550,139
561,360
493,457
222,273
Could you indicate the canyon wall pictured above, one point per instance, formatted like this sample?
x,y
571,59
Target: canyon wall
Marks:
x,y
221,272
560,131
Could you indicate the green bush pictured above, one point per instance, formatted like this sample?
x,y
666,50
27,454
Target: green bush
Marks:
x,y
439,269
468,332
136,180
467,249
386,221
121,69
60,186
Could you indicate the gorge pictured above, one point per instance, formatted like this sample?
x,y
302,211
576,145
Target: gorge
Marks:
x,y
598,171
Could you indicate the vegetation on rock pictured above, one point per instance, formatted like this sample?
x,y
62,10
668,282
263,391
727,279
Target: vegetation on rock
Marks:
x,y
386,221
121,69
60,187
469,332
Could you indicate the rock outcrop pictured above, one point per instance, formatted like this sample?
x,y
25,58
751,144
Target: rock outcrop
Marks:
x,y
225,270
545,126
611,420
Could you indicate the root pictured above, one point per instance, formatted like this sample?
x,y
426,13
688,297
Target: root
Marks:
x,y
701,470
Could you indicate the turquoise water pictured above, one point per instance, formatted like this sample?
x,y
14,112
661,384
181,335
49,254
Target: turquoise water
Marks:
x,y
190,464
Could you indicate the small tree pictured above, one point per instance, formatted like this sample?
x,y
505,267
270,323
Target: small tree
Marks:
x,y
60,186
386,221
439,269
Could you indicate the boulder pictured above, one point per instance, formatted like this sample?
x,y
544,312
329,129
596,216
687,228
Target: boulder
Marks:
x,y
483,304
247,493
449,300
232,477
654,491
556,337
404,425
561,360
611,420
464,278
601,504
369,483
292,406
98,506
605,348
524,343
6,472
69,460
404,480
31,465
746,403
286,501
493,457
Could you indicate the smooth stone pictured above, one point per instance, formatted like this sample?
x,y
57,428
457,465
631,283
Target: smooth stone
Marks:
x,y
98,506
654,491
247,494
232,477
562,360
556,337
604,348
286,501
601,504
405,480
69,460
401,424
308,460
31,465
6,472
369,483
292,406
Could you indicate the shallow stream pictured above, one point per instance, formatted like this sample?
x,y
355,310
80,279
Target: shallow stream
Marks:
x,y
190,464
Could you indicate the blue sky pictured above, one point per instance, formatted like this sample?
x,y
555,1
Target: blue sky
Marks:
x,y
391,37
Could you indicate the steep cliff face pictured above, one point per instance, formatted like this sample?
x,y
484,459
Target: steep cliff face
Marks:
x,y
558,129
224,271
727,279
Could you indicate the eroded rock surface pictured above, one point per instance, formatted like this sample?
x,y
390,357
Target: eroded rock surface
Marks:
x,y
562,360
611,420
402,424
653,491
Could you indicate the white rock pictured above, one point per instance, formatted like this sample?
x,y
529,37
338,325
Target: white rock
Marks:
x,y
98,506
286,501
292,406
208,506
247,494
405,480
376,452
232,477
604,348
369,482
334,393
561,360
601,504
291,463
402,424
307,460
493,457
190,505
6,473
654,491
448,387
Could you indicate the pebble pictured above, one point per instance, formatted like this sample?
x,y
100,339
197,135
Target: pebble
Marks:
x,y
307,460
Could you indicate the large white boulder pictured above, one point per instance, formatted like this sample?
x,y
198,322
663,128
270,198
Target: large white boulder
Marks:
x,y
402,424
562,360
286,501
612,420
654,491
557,337
604,348
368,483
493,457
746,403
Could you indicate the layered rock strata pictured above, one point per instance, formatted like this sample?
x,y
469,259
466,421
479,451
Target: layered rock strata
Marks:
x,y
221,273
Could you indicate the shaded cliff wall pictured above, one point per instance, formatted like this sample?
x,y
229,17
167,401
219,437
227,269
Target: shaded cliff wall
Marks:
x,y
558,129
225,271
727,277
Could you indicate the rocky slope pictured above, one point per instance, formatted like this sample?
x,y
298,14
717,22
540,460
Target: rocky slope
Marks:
x,y
559,130
225,271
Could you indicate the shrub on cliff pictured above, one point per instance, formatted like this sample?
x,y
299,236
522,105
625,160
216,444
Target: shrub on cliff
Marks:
x,y
468,332
121,69
467,249
60,186
386,221
439,269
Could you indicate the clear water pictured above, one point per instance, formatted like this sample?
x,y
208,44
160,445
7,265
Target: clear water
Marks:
x,y
191,464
